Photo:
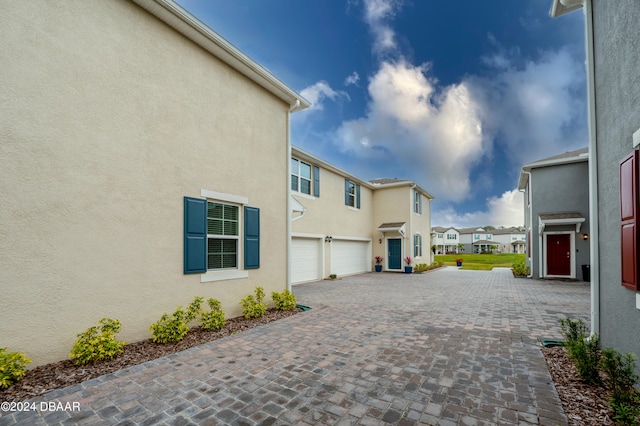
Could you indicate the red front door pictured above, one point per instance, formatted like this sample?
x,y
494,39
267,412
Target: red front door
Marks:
x,y
559,254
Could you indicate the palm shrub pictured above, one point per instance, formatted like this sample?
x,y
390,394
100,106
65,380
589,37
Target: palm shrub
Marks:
x,y
98,343
12,367
253,306
285,301
213,320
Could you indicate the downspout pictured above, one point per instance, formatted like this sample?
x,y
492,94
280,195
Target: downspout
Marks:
x,y
411,207
530,233
594,255
288,190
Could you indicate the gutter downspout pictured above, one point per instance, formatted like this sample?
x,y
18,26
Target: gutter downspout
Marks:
x,y
530,233
293,108
594,255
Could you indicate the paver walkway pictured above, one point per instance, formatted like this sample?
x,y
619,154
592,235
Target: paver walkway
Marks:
x,y
449,347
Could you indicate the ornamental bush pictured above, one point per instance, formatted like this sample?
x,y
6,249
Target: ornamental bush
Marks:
x,y
214,319
520,268
171,329
98,343
254,306
585,353
285,301
12,367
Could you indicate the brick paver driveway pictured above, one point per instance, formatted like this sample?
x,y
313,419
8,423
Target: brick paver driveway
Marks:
x,y
446,347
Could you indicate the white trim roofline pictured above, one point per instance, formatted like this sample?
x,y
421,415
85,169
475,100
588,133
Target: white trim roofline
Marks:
x,y
553,161
305,155
562,7
195,30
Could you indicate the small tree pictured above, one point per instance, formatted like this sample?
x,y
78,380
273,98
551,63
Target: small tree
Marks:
x,y
461,248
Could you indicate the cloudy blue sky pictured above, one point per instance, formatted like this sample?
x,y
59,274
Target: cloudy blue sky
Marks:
x,y
456,95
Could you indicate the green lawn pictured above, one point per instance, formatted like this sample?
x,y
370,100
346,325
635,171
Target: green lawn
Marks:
x,y
484,262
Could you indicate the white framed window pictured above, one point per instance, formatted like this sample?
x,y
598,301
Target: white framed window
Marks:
x,y
451,236
417,245
300,176
223,236
440,235
351,194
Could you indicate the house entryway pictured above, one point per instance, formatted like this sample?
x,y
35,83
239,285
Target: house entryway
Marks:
x,y
394,254
558,254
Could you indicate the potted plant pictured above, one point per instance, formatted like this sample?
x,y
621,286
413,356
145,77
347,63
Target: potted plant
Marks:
x,y
378,263
408,269
459,262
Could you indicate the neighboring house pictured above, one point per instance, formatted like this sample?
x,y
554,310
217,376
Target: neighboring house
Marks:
x,y
446,240
613,82
144,162
341,222
510,240
477,240
556,198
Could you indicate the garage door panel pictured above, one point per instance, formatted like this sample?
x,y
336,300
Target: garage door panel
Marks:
x,y
305,258
350,257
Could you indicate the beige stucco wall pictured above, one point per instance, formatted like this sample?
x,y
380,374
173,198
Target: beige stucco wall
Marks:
x,y
107,119
328,215
395,204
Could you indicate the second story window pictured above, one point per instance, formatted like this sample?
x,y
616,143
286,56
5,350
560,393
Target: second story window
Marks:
x,y
451,236
417,202
476,237
351,194
300,176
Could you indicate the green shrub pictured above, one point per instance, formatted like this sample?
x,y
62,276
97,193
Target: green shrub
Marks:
x,y
573,331
333,276
585,353
285,301
420,267
171,329
254,306
214,319
520,268
12,367
97,343
621,377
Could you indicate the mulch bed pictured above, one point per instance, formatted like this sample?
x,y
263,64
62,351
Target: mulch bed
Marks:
x,y
583,404
59,374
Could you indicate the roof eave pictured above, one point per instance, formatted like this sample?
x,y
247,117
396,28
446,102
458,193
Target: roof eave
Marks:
x,y
562,7
195,30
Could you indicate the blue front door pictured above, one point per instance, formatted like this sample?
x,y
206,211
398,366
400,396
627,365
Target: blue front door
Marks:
x,y
395,253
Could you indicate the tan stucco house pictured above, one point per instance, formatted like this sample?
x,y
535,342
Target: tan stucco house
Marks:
x,y
144,160
341,222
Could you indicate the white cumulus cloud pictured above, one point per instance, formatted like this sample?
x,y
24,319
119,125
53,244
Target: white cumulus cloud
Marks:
x,y
505,210
318,92
435,131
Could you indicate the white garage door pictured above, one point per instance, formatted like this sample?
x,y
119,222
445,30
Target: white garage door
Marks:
x,y
305,258
350,257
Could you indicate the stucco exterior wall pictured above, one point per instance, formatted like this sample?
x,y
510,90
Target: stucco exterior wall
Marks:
x,y
329,215
555,189
617,81
108,118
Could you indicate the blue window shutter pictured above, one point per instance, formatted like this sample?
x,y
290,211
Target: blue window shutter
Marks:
x,y
251,237
420,203
358,196
316,181
346,192
195,235
415,245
